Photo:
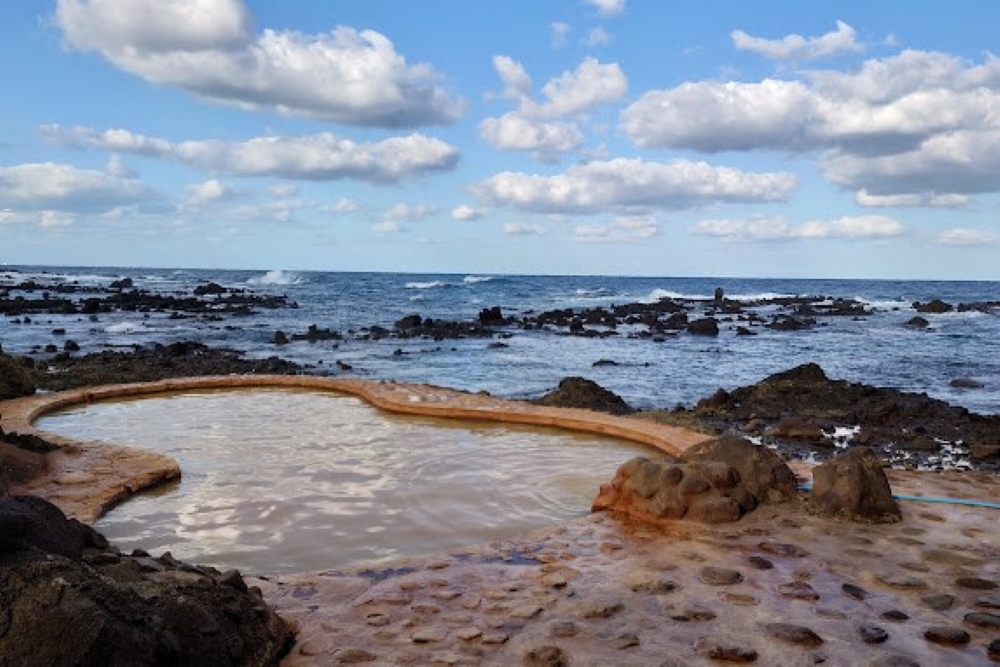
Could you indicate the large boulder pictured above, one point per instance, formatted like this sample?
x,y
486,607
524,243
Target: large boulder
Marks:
x,y
14,379
578,392
66,598
854,486
715,482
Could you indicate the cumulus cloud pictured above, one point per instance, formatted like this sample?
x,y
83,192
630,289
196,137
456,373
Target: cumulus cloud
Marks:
x,y
409,212
962,236
632,183
799,48
538,126
465,213
317,157
597,37
209,48
607,7
58,187
342,206
916,123
560,34
769,229
212,190
523,229
921,199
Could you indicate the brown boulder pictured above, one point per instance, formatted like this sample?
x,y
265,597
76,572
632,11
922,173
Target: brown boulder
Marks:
x,y
854,486
578,392
715,482
14,379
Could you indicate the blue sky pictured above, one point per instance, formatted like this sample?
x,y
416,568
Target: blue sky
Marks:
x,y
776,139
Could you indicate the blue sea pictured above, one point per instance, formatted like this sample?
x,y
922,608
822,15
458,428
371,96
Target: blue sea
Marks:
x,y
877,349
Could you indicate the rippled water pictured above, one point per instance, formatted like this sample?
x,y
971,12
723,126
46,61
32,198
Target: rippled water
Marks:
x,y
283,480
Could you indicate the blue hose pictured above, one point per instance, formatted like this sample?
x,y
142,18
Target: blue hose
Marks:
x,y
933,499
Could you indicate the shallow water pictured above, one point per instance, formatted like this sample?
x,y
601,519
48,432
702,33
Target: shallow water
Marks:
x,y
288,480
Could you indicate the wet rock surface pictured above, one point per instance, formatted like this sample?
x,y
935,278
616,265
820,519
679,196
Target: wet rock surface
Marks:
x,y
578,392
67,598
854,486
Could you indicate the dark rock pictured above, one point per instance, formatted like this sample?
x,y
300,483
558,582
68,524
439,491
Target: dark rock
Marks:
x,y
872,634
578,392
63,604
990,601
71,346
491,316
993,650
761,471
703,327
918,322
17,466
975,583
854,486
852,591
793,634
15,381
718,576
759,563
714,649
546,656
982,619
604,362
798,590
893,660
947,635
965,383
935,306
209,289
940,602
783,549
280,338
124,283
895,615
409,322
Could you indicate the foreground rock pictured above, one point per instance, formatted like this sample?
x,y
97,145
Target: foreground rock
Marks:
x,y
716,482
69,599
578,392
854,486
15,378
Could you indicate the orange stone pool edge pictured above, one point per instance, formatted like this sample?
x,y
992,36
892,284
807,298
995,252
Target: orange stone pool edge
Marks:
x,y
86,479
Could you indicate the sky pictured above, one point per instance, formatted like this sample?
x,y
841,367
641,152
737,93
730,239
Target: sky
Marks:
x,y
612,137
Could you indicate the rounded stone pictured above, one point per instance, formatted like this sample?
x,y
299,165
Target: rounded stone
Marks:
x,y
893,661
719,576
872,634
975,583
852,591
793,634
991,601
981,619
563,628
353,656
759,563
940,602
947,635
546,656
895,615
713,649
798,590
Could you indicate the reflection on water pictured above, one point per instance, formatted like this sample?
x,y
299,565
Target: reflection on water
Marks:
x,y
284,480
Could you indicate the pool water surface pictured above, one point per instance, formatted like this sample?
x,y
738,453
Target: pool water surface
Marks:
x,y
296,480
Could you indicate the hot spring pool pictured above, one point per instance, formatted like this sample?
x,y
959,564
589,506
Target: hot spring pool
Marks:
x,y
278,480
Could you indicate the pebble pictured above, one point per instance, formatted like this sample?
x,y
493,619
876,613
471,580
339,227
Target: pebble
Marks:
x,y
993,650
658,587
694,615
893,661
352,656
947,635
495,638
759,563
852,591
526,611
602,608
469,633
626,640
315,647
713,649
793,634
740,599
563,629
872,634
798,590
981,619
975,583
991,601
783,549
895,615
899,580
446,595
719,576
940,602
546,656
428,634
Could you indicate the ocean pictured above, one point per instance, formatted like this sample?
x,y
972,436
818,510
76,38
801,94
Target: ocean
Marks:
x,y
877,348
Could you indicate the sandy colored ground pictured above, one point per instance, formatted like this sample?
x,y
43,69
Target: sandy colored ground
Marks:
x,y
781,585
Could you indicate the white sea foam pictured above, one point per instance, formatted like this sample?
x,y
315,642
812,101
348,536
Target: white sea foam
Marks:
x,y
127,328
471,280
276,277
427,285
659,294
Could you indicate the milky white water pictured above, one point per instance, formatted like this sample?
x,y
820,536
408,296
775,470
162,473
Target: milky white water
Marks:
x,y
285,480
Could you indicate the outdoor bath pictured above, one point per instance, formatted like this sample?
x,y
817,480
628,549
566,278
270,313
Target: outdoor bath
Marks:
x,y
283,479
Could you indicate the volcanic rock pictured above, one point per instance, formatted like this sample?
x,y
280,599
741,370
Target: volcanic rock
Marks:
x,y
854,486
15,381
578,392
70,600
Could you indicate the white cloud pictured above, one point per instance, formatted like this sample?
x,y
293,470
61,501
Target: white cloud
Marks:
x,y
962,236
523,229
56,219
560,34
465,213
535,126
283,190
799,48
386,227
917,123
209,49
627,228
408,212
59,187
212,190
342,206
922,199
607,7
318,157
597,37
513,131
769,229
631,183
